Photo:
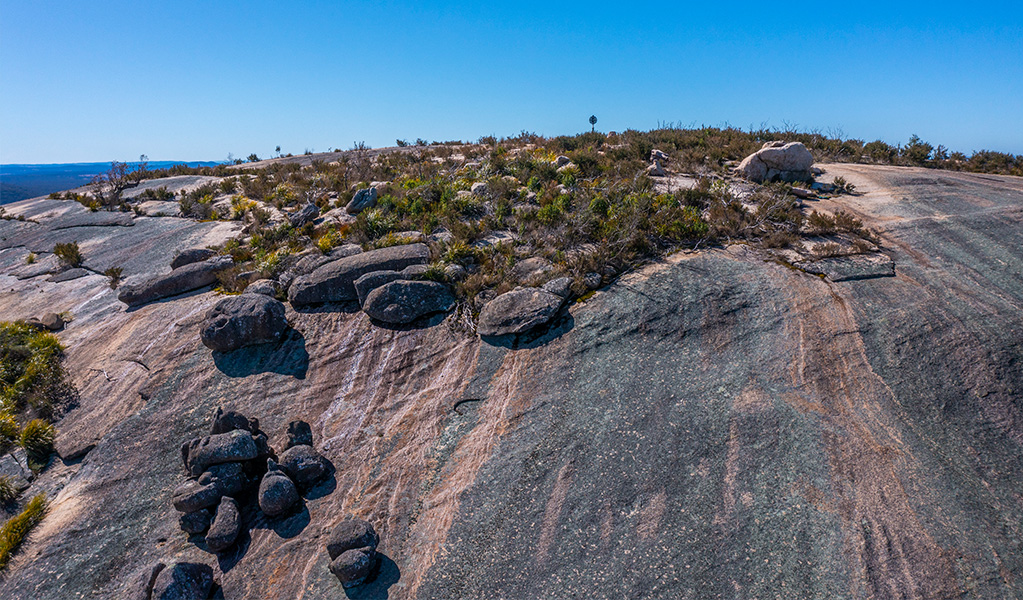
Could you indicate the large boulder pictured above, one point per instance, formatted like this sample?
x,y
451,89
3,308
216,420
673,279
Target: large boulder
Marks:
x,y
141,587
277,493
192,255
306,214
518,311
335,281
362,200
200,454
229,478
778,161
229,420
183,279
304,465
183,581
243,320
226,525
401,302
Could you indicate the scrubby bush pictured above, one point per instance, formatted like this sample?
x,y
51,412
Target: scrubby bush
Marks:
x,y
37,439
14,531
30,369
69,254
7,490
114,273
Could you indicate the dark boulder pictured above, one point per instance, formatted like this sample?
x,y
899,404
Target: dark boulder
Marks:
x,y
518,311
184,279
233,446
192,496
349,535
299,434
335,281
362,200
195,522
306,214
52,321
353,567
371,281
304,465
229,420
226,525
228,477
141,587
238,321
183,581
192,255
401,302
277,493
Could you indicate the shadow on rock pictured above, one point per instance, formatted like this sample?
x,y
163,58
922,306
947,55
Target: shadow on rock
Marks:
x,y
330,307
387,574
536,337
325,487
227,560
287,357
421,323
175,297
291,525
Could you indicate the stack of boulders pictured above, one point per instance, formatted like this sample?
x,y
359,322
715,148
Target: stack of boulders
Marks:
x,y
657,160
220,467
299,468
352,546
523,309
191,270
401,297
226,464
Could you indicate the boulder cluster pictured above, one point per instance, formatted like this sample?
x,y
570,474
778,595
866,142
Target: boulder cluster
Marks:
x,y
223,468
352,547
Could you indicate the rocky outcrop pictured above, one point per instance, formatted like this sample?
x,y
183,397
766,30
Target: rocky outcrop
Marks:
x,y
517,311
192,255
335,281
401,302
202,453
183,279
371,281
778,161
263,287
303,465
299,434
244,320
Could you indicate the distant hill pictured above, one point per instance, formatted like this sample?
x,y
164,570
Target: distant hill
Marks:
x,y
18,182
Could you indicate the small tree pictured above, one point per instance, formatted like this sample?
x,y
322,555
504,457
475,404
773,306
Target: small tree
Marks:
x,y
593,123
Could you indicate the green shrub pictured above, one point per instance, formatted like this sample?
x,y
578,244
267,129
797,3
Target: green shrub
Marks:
x,y
7,490
37,439
14,531
31,258
30,369
8,429
69,254
114,273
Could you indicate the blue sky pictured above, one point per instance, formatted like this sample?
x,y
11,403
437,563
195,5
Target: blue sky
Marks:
x,y
99,81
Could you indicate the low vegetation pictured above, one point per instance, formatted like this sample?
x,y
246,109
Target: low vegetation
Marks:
x,y
69,254
16,530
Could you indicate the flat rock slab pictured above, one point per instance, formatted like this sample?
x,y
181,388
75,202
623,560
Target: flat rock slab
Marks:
x,y
158,208
184,279
850,268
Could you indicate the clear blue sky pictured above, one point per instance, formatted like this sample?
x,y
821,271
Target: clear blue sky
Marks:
x,y
98,81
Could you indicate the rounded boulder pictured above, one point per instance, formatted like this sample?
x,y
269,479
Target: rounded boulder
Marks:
x,y
401,302
244,320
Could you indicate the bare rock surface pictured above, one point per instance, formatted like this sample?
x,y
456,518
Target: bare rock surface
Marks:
x,y
850,268
183,581
192,255
710,423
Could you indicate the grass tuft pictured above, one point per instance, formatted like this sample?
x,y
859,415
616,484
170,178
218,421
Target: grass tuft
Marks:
x,y
14,531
